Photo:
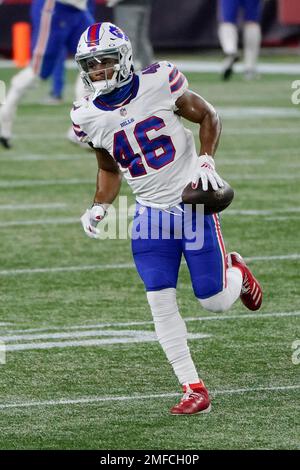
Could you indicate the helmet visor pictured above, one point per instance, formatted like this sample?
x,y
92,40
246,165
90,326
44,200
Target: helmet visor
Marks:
x,y
94,62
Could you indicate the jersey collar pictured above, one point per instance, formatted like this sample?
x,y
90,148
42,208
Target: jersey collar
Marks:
x,y
118,97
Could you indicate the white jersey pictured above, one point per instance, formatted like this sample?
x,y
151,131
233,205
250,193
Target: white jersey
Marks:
x,y
80,4
154,151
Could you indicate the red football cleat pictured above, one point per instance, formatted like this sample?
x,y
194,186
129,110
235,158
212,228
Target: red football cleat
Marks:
x,y
195,400
251,294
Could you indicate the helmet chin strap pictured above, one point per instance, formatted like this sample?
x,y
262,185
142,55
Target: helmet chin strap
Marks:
x,y
101,87
108,84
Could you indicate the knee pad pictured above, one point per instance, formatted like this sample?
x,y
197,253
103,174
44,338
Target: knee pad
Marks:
x,y
162,302
217,303
167,320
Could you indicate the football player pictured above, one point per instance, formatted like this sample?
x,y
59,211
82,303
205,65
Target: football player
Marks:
x,y
228,34
56,25
134,123
58,77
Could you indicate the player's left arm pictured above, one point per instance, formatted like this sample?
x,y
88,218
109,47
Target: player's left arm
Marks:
x,y
196,109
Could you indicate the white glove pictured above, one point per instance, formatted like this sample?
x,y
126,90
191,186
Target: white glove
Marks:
x,y
91,218
207,173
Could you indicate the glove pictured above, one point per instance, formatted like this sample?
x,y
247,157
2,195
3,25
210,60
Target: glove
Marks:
x,y
91,218
207,173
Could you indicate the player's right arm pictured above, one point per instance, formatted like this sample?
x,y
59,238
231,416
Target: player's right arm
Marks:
x,y
109,178
108,185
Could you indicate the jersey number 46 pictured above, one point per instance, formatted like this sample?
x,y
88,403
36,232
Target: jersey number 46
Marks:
x,y
158,152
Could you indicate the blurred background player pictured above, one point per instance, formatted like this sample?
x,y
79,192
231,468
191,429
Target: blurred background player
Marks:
x,y
57,81
229,11
56,27
58,78
133,16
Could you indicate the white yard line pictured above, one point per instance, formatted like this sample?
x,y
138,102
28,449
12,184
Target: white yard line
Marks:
x,y
49,221
277,152
285,113
267,177
125,216
115,337
295,256
229,161
92,267
22,333
66,335
187,65
292,165
249,212
41,136
281,218
35,334
242,161
66,269
245,316
216,66
22,207
257,131
248,112
65,182
133,397
30,183
256,389
43,158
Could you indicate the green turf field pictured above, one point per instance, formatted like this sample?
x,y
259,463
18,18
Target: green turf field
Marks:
x,y
83,370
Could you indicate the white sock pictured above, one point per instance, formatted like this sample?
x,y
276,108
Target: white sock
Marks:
x,y
172,334
20,83
252,40
228,36
225,299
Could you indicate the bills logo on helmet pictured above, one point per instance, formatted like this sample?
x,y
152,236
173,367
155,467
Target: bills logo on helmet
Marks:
x,y
117,32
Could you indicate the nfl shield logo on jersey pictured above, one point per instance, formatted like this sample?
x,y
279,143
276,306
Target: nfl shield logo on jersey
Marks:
x,y
123,111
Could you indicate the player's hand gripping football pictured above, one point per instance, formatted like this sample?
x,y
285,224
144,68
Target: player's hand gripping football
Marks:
x,y
91,218
207,173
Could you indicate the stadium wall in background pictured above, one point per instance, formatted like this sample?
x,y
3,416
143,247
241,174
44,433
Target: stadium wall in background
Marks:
x,y
192,26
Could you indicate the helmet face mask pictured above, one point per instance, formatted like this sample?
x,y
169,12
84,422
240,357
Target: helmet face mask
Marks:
x,y
112,44
89,64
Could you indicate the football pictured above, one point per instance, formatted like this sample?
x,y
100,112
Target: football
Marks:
x,y
214,201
